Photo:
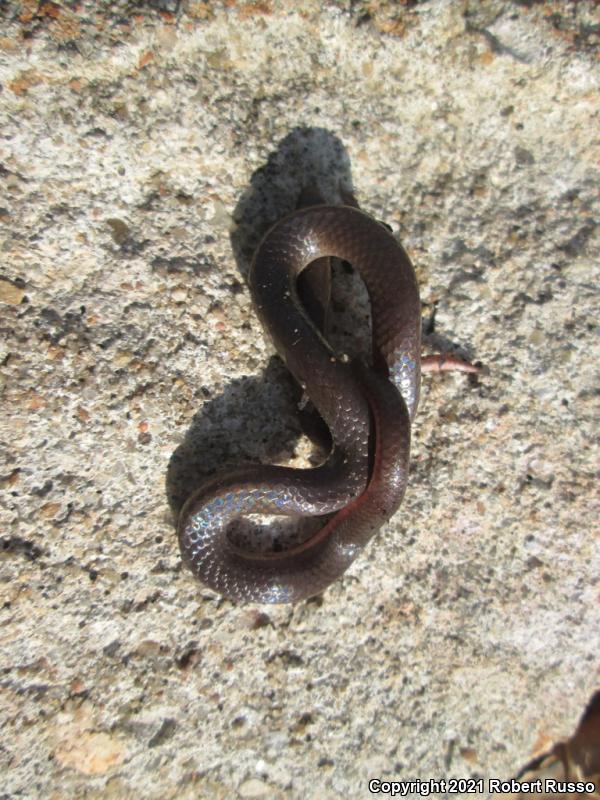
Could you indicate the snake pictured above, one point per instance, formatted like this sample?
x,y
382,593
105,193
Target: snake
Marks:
x,y
368,405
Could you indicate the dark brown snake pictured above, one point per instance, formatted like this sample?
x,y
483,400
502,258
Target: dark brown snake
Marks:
x,y
368,410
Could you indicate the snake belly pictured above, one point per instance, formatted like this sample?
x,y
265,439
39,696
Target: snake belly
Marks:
x,y
368,410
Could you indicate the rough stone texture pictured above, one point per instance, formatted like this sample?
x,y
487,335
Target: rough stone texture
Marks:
x,y
133,139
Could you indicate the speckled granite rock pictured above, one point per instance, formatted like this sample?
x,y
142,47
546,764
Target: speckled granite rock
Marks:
x,y
144,148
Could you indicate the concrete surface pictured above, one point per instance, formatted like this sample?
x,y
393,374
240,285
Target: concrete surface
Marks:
x,y
144,147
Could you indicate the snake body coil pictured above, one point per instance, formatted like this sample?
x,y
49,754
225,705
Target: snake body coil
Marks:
x,y
368,410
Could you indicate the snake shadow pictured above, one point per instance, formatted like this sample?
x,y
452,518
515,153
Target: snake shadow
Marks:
x,y
232,429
